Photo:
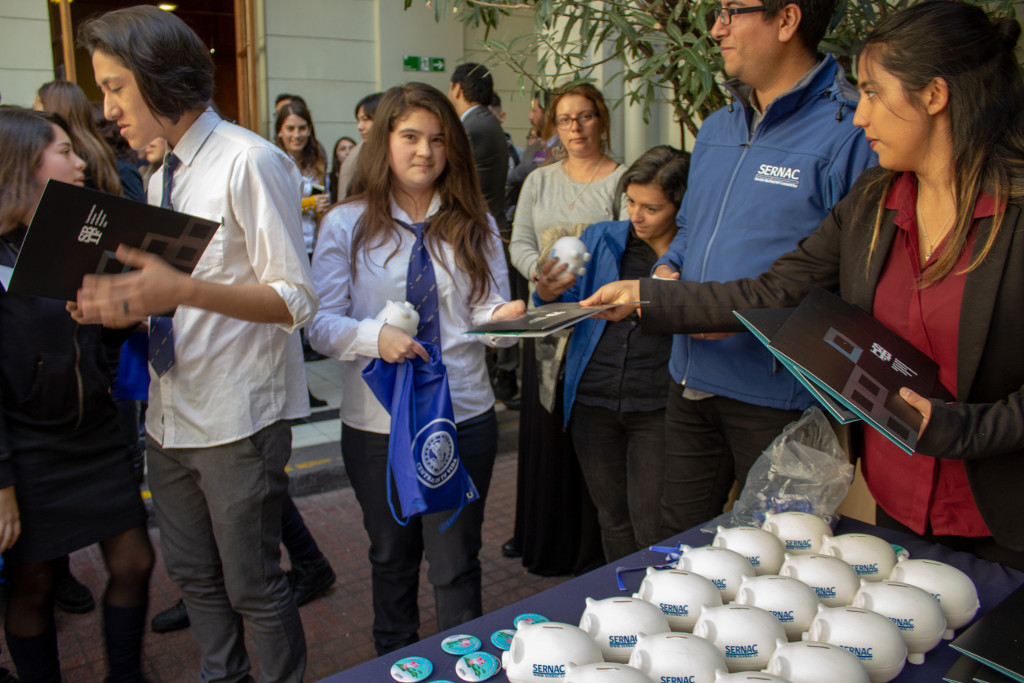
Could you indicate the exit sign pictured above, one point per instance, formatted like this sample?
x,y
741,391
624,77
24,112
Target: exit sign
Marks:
x,y
411,63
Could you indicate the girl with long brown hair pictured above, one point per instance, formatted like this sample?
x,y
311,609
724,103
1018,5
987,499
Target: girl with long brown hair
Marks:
x,y
415,190
294,133
69,100
66,475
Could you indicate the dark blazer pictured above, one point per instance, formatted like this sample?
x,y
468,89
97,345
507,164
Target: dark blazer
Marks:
x,y
985,428
55,375
490,154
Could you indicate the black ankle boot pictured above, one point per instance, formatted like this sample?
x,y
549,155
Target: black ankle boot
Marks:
x,y
36,657
122,631
310,578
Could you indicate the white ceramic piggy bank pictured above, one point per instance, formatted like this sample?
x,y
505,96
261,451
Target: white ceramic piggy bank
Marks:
x,y
762,549
570,250
872,557
954,590
617,623
724,676
745,635
800,532
605,672
540,652
871,638
677,657
806,662
916,613
834,581
723,567
679,595
401,314
792,601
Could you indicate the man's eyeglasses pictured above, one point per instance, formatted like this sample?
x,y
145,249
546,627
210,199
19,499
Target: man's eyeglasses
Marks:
x,y
564,122
725,14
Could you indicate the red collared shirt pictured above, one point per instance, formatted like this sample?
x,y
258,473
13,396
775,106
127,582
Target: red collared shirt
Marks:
x,y
924,493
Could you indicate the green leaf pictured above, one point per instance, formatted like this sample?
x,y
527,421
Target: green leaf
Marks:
x,y
665,46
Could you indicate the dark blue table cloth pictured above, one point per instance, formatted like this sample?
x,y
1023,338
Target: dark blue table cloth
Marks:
x,y
565,603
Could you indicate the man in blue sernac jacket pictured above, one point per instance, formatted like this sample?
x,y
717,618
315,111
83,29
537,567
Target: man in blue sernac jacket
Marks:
x,y
766,169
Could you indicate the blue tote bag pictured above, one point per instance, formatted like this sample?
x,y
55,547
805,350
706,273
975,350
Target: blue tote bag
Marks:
x,y
423,455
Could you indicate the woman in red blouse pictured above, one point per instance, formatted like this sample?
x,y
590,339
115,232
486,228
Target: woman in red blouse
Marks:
x,y
932,244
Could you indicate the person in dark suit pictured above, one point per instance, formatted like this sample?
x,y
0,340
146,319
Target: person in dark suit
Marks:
x,y
470,92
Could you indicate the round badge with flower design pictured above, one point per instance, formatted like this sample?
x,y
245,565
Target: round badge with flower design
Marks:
x,y
529,618
460,644
477,666
411,669
502,639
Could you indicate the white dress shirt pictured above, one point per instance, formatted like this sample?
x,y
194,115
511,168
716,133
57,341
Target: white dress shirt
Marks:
x,y
345,328
230,377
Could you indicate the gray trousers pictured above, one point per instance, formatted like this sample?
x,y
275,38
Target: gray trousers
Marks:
x,y
219,512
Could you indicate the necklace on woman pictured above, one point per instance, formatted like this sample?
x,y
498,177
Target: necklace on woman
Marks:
x,y
572,202
942,231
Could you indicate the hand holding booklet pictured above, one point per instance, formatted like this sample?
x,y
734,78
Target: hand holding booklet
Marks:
x,y
75,232
837,349
542,320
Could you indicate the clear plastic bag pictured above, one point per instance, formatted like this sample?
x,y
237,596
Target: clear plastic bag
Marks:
x,y
804,470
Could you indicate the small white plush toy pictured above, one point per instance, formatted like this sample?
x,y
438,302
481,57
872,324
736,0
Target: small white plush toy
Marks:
x,y
402,315
570,250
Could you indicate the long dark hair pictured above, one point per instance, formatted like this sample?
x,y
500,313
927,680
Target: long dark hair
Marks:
x,y
311,159
332,175
957,42
171,65
69,100
368,104
24,135
462,219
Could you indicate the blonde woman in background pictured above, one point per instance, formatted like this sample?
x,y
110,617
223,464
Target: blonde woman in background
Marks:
x,y
581,189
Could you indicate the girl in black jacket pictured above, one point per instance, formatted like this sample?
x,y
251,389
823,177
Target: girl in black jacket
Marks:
x,y
66,477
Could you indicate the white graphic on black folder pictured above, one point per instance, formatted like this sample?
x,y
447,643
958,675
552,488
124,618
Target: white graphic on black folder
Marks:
x,y
76,231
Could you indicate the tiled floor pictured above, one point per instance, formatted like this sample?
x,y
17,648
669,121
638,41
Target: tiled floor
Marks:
x,y
337,625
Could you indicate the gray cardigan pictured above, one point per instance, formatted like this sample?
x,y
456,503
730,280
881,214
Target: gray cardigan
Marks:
x,y
544,203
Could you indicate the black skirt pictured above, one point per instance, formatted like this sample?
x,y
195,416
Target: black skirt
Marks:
x,y
73,489
556,522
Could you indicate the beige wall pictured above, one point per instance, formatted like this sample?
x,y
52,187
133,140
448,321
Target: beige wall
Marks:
x,y
355,47
26,60
324,50
333,52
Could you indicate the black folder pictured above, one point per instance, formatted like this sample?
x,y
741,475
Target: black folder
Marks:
x,y
75,232
859,362
997,639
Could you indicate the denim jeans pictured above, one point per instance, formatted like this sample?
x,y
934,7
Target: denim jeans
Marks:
x,y
622,456
396,550
709,444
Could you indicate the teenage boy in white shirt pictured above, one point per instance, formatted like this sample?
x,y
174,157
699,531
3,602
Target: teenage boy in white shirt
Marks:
x,y
218,433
